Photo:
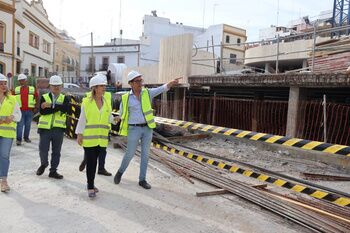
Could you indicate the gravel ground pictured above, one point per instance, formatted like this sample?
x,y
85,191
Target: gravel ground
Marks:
x,y
41,204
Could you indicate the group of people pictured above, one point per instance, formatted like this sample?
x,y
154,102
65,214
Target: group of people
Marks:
x,y
135,116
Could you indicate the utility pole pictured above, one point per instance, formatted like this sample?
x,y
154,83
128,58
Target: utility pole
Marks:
x,y
314,48
92,55
278,52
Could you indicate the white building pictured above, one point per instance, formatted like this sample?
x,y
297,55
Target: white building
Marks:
x,y
155,28
35,36
118,51
7,19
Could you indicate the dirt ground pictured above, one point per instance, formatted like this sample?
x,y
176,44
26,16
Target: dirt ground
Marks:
x,y
41,204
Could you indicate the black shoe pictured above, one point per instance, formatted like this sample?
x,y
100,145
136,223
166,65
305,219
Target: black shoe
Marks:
x,y
27,140
117,177
82,165
55,175
144,184
18,143
41,170
104,172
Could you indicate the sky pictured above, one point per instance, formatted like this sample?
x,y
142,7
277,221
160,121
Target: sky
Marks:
x,y
104,18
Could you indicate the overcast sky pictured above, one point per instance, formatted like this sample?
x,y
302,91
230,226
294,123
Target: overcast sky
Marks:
x,y
102,17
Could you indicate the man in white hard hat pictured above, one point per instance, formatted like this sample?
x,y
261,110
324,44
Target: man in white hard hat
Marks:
x,y
52,124
27,97
137,122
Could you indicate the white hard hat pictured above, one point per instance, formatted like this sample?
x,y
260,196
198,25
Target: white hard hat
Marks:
x,y
3,77
133,74
98,79
22,77
55,80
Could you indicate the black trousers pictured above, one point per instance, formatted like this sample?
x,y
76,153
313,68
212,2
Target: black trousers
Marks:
x,y
92,153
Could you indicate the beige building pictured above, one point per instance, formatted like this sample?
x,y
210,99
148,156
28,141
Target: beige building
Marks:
x,y
7,29
66,57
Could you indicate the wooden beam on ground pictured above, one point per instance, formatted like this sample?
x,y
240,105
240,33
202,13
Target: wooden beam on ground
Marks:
x,y
212,193
189,137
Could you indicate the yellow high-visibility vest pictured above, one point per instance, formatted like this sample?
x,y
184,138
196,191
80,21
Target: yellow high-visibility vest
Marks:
x,y
97,123
57,119
6,109
147,111
31,99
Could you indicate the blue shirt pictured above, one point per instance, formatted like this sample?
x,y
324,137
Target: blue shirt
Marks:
x,y
134,108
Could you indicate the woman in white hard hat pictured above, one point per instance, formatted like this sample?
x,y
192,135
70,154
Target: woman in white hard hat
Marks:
x,y
10,113
52,124
93,128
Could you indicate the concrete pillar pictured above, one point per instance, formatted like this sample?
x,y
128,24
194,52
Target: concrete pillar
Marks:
x,y
258,97
177,103
296,94
268,68
305,65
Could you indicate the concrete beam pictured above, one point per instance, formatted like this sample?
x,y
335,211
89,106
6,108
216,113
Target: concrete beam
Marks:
x,y
296,94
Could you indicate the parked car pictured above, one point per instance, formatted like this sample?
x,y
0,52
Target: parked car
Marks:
x,y
70,85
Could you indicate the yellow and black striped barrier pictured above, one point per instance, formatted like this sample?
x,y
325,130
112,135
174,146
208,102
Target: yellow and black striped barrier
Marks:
x,y
319,194
255,136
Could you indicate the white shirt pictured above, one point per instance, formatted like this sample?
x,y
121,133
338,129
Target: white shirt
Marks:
x,y
82,121
16,112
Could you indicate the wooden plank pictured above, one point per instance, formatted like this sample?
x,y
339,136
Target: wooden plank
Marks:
x,y
188,137
212,193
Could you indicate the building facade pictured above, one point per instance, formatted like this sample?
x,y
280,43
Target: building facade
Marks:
x,y
7,27
66,57
98,58
35,36
228,40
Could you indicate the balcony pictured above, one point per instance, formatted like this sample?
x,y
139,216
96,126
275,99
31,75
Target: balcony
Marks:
x,y
1,46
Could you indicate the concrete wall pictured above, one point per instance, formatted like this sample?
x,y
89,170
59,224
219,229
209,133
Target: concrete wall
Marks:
x,y
150,74
295,50
175,58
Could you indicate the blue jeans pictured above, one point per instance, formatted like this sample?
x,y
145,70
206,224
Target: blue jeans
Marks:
x,y
26,120
5,148
135,134
54,137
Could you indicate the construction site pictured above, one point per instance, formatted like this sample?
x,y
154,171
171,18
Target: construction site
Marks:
x,y
253,143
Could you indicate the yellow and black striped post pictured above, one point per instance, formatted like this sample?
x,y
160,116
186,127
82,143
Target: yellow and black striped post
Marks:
x,y
300,188
255,136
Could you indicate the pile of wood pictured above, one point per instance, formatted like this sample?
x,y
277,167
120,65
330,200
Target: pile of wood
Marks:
x,y
331,56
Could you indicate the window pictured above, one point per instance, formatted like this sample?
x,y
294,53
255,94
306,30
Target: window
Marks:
x,y
233,58
41,70
238,41
46,72
33,70
121,59
105,62
2,36
46,47
18,67
18,43
56,68
33,40
227,39
2,68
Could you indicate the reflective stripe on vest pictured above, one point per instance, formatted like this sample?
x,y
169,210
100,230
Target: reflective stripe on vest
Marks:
x,y
57,119
6,109
31,99
147,111
97,123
